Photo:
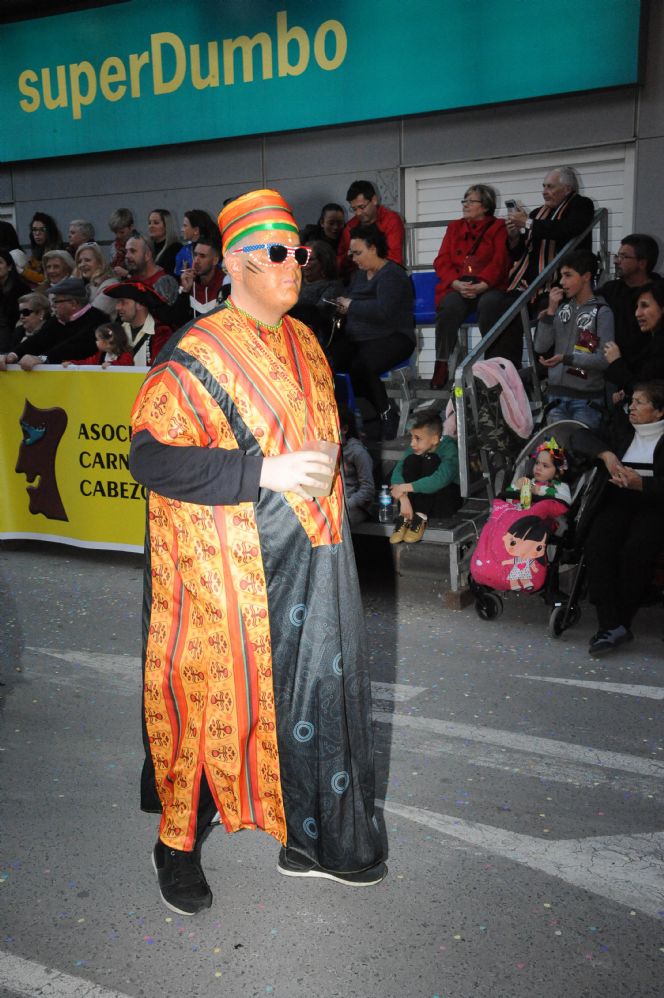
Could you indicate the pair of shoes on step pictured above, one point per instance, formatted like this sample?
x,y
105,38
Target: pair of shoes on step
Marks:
x,y
292,863
408,531
608,640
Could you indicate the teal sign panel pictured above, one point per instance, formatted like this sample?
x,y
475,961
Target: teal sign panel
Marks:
x,y
152,72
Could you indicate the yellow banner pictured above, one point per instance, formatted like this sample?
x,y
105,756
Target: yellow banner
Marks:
x,y
64,453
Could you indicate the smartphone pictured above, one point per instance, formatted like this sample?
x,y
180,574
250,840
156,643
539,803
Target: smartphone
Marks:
x,y
510,205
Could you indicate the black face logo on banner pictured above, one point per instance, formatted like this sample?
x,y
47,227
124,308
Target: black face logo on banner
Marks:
x,y
42,432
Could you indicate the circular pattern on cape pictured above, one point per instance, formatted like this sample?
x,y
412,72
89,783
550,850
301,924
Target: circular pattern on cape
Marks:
x,y
340,781
298,614
310,827
303,731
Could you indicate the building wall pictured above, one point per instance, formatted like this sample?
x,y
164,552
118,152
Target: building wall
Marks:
x,y
316,166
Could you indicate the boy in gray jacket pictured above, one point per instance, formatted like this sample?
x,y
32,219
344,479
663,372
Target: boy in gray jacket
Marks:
x,y
578,330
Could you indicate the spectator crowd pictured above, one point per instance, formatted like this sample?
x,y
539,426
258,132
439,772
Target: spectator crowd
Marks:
x,y
599,349
592,344
356,295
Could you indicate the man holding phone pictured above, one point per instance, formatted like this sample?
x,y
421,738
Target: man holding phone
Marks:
x,y
533,241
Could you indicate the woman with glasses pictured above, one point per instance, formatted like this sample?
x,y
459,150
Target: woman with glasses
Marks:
x,y
93,267
379,331
12,287
473,263
44,236
33,311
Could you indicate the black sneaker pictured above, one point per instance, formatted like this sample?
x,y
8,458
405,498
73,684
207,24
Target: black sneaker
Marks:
x,y
606,641
182,883
295,864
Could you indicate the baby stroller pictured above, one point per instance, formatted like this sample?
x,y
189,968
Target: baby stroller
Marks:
x,y
566,609
522,550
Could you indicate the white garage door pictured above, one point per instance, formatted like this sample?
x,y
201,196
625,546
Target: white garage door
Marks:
x,y
433,193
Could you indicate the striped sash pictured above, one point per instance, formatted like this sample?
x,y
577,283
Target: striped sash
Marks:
x,y
547,250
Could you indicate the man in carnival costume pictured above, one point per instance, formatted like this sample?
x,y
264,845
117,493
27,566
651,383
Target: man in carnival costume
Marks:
x,y
257,700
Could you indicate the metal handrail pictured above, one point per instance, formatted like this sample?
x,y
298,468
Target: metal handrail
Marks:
x,y
463,378
410,250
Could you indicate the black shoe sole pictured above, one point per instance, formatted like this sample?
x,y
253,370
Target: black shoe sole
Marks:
x,y
317,872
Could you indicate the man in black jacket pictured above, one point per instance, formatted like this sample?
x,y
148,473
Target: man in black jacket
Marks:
x,y
68,335
635,267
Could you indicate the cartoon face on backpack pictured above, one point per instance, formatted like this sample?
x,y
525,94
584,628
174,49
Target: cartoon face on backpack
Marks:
x,y
525,543
511,550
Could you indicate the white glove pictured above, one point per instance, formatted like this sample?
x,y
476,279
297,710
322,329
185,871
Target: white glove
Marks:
x,y
298,472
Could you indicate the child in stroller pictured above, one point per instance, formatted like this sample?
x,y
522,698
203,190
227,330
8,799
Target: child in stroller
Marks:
x,y
546,482
526,519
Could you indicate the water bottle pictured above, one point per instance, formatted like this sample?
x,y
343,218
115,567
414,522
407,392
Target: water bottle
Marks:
x,y
385,514
526,494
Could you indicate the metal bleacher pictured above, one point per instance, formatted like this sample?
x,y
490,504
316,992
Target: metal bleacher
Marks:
x,y
475,469
459,532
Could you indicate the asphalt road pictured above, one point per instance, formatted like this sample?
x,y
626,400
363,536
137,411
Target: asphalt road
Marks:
x,y
522,785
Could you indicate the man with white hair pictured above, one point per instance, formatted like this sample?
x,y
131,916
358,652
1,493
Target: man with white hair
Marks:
x,y
80,231
533,242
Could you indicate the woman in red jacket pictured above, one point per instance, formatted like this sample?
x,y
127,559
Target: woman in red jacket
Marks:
x,y
472,264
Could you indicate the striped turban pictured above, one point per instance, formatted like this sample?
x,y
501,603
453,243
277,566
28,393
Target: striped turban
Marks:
x,y
253,212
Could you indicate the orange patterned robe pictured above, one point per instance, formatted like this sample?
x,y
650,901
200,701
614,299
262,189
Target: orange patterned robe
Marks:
x,y
253,661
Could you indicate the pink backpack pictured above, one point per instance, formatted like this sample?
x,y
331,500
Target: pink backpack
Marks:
x,y
511,550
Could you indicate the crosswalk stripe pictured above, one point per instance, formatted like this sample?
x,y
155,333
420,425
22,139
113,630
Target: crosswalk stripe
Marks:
x,y
627,869
24,977
116,668
396,692
550,747
626,689
126,665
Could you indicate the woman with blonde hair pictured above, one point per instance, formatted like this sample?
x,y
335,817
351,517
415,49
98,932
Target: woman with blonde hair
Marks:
x,y
93,267
163,231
